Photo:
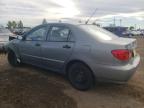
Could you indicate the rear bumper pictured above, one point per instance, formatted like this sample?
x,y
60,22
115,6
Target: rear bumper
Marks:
x,y
116,74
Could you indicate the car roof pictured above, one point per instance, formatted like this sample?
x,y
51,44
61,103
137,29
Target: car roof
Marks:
x,y
59,24
67,24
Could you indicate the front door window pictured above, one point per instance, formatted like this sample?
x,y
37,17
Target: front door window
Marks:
x,y
37,35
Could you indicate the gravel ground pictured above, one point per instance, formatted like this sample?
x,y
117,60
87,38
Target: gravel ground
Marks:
x,y
31,87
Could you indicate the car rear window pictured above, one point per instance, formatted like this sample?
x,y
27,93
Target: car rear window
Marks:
x,y
98,32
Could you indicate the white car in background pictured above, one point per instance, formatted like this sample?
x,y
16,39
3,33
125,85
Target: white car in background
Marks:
x,y
142,33
5,34
136,33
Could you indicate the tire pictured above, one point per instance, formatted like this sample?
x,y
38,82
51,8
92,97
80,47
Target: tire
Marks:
x,y
12,59
80,76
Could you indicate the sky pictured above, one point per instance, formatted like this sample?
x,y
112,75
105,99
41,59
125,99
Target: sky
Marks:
x,y
32,12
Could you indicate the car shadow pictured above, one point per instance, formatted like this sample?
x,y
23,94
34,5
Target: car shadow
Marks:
x,y
104,89
61,77
56,76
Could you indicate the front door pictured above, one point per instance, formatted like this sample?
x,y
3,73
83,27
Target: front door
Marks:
x,y
30,47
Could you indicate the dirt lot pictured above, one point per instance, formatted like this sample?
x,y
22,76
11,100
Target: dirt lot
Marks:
x,y
30,87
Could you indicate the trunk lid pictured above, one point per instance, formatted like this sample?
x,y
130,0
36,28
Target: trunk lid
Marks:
x,y
127,43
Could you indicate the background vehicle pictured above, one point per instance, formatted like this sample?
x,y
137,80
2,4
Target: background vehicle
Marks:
x,y
141,33
128,33
84,53
4,37
21,31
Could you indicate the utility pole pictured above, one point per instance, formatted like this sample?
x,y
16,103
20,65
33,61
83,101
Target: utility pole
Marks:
x,y
114,21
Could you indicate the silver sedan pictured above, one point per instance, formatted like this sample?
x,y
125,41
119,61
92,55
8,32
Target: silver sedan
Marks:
x,y
84,53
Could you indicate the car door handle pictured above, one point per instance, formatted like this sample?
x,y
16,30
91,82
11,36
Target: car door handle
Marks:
x,y
37,44
66,46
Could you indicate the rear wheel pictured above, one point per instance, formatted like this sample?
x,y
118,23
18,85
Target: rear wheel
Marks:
x,y
80,76
12,59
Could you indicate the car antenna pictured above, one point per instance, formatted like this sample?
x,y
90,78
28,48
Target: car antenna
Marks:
x,y
91,16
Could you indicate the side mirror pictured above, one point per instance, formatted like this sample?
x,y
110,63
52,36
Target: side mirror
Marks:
x,y
19,37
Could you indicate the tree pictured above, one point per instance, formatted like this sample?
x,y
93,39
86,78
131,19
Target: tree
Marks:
x,y
14,24
131,28
20,24
9,25
44,21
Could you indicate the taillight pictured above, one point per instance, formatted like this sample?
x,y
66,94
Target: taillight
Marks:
x,y
122,54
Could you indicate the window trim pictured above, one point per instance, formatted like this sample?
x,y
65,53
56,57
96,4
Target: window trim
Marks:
x,y
33,30
48,34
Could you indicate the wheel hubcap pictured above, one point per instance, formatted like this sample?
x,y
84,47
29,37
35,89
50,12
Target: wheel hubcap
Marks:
x,y
80,77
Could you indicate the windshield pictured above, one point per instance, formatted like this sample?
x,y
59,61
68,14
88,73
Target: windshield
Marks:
x,y
98,32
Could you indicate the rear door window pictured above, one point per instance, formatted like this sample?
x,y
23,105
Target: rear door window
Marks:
x,y
59,34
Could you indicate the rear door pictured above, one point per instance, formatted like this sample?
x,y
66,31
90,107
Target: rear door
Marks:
x,y
58,48
30,47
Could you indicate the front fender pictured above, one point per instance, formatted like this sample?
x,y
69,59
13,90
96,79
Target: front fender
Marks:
x,y
12,46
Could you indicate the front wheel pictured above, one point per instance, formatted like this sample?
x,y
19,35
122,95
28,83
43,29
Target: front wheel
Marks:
x,y
12,59
80,76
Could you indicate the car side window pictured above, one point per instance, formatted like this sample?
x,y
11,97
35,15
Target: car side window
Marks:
x,y
37,35
59,33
